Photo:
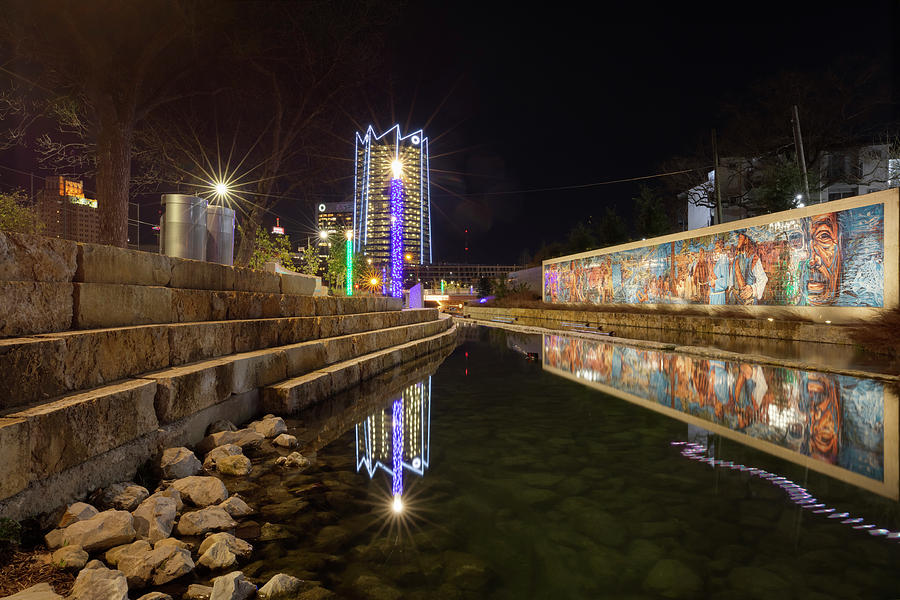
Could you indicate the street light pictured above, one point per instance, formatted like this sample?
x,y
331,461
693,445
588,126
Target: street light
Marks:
x,y
323,235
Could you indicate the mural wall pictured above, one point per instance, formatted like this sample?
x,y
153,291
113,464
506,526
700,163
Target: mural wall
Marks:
x,y
832,418
829,259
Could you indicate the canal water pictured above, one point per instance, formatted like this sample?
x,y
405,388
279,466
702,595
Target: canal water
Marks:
x,y
528,466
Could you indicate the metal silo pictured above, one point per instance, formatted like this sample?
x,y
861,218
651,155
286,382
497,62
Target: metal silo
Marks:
x,y
220,227
183,226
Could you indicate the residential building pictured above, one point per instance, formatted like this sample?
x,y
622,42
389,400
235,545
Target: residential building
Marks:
x,y
66,212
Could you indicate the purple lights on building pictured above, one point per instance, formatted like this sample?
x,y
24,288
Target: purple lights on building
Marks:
x,y
396,238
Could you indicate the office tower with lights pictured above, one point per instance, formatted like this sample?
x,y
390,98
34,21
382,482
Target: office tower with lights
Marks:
x,y
333,220
391,166
66,212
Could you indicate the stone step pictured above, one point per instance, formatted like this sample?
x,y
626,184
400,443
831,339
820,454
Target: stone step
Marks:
x,y
292,396
44,366
43,440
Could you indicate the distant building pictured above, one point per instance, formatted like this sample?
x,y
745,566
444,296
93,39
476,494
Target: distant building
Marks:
x,y
838,173
377,157
66,212
333,218
456,275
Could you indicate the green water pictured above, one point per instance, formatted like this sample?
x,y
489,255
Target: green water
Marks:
x,y
538,487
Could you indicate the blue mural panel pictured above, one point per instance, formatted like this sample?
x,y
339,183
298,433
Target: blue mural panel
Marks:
x,y
830,259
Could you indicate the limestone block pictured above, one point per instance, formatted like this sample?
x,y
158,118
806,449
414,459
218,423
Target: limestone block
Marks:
x,y
325,305
158,566
77,427
245,305
185,390
109,264
253,335
34,307
25,257
257,369
95,358
196,341
298,306
338,349
201,275
113,305
273,305
251,280
297,329
297,283
15,468
304,358
190,306
343,377
31,370
291,396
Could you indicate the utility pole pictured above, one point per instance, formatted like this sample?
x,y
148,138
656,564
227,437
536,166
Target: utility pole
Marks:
x,y
718,190
798,146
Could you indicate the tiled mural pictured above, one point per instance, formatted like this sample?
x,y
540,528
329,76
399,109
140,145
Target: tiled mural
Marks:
x,y
830,259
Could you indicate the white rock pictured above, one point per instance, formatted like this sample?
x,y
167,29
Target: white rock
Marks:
x,y
285,441
158,566
269,427
155,518
169,493
237,465
201,490
238,547
104,530
206,519
236,507
100,584
71,557
217,557
114,555
179,462
209,463
122,496
232,587
197,592
280,587
155,596
245,438
79,511
41,591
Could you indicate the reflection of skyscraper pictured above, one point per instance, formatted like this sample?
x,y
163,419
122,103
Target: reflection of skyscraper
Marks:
x,y
399,437
375,155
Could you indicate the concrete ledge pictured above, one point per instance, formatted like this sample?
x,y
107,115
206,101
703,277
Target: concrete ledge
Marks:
x,y
251,280
74,428
109,264
183,391
34,307
747,327
298,283
100,305
36,258
293,395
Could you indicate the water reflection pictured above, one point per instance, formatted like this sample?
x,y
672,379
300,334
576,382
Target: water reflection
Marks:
x,y
832,423
399,439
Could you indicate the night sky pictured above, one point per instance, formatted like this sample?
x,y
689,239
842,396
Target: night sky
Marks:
x,y
518,100
554,98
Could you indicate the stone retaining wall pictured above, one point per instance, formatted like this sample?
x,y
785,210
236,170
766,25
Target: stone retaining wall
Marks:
x,y
609,321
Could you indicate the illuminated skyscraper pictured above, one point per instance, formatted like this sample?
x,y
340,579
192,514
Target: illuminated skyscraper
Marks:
x,y
381,160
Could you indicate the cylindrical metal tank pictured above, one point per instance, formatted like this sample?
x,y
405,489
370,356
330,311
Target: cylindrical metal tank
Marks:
x,y
184,231
220,231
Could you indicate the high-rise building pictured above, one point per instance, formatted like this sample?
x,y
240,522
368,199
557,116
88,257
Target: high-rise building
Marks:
x,y
65,211
332,219
392,165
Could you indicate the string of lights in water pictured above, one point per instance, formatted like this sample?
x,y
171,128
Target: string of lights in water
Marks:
x,y
796,493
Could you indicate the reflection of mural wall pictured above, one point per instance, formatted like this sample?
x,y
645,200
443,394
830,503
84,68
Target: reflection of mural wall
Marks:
x,y
829,259
833,418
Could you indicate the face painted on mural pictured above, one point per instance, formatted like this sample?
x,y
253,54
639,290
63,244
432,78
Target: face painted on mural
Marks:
x,y
825,417
825,259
